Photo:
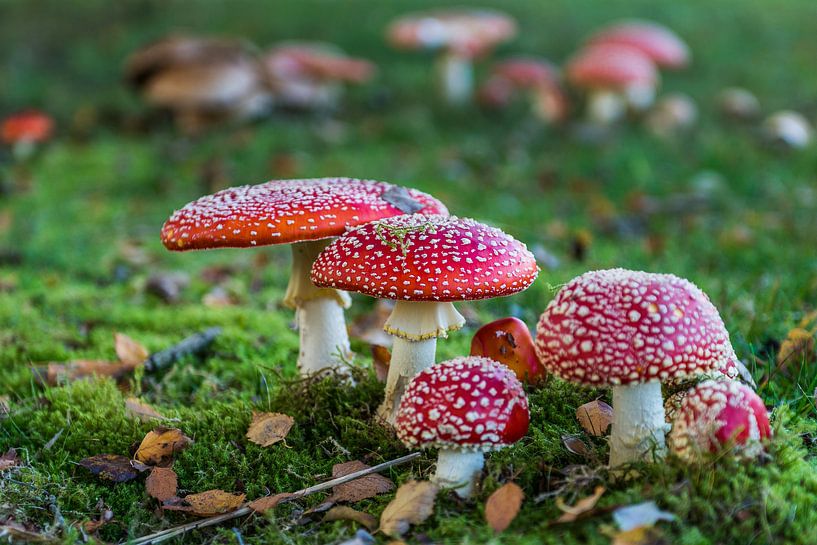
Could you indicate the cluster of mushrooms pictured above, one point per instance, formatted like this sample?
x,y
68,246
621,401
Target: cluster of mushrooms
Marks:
x,y
625,330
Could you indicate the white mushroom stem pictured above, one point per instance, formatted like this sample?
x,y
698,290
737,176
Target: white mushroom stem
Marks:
x,y
638,424
640,97
415,326
458,469
456,75
605,107
324,341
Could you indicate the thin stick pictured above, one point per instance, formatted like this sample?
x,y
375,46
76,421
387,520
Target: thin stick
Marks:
x,y
194,344
164,535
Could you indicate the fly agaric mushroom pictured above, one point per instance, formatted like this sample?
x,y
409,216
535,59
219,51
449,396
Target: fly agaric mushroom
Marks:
x,y
787,129
424,263
613,76
309,75
538,77
200,80
464,407
26,128
631,331
463,35
305,214
509,342
659,43
716,414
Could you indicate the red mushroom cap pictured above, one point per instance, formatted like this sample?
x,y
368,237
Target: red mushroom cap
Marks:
x,y
616,326
29,126
469,32
426,258
467,403
284,211
527,72
611,66
658,42
715,413
316,61
509,342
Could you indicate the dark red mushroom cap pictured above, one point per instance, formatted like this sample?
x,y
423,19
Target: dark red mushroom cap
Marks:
x,y
616,326
606,66
658,42
466,403
29,126
285,211
426,258
715,413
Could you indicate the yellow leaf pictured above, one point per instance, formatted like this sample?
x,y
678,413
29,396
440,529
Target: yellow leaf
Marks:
x,y
159,445
207,504
503,506
640,535
343,512
797,345
129,351
135,408
412,504
269,428
582,507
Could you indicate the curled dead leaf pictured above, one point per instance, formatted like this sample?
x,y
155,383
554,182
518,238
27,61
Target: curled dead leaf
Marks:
x,y
595,417
129,351
159,446
343,512
209,503
269,502
162,483
574,445
111,467
269,428
135,408
412,504
582,507
503,506
381,359
358,489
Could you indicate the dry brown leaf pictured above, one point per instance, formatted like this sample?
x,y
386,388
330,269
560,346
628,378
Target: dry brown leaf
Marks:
x,y
268,502
359,489
582,507
575,445
503,506
55,373
135,408
162,483
412,504
210,503
369,327
129,351
269,428
343,512
9,459
595,417
381,359
159,445
111,467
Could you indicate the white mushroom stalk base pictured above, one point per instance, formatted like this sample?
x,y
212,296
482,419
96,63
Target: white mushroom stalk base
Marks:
x,y
415,327
638,424
324,341
605,107
458,469
456,77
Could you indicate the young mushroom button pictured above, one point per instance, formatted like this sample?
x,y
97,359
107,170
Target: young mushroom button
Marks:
x,y
464,407
631,331
306,214
424,263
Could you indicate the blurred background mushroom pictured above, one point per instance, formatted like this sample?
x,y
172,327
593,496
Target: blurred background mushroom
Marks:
x,y
787,129
739,104
671,115
539,79
665,48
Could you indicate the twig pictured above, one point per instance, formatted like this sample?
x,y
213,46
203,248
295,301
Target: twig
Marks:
x,y
164,535
195,344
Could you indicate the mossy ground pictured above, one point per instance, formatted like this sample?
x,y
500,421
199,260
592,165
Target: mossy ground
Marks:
x,y
104,186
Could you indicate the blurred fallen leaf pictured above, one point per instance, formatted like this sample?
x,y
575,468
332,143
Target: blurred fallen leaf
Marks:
x,y
574,445
135,408
111,467
368,327
343,512
159,446
358,489
55,373
218,297
129,351
9,459
381,359
640,515
269,428
209,503
641,535
412,504
400,198
797,346
162,483
595,417
582,507
167,286
503,506
268,502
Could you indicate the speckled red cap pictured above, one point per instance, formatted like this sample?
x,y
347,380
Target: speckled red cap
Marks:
x,y
616,326
285,211
658,42
467,403
611,66
426,258
715,413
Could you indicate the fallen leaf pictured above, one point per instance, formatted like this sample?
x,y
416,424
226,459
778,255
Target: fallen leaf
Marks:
x,y
575,445
111,467
105,516
209,503
161,483
641,514
400,198
167,286
412,504
55,373
268,502
129,351
381,359
503,506
269,428
135,408
640,535
369,327
797,346
9,459
358,489
159,445
595,417
582,507
343,512
218,297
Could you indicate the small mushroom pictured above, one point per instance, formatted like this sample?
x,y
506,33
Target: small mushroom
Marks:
x,y
665,48
424,263
787,129
539,78
309,76
464,407
718,414
509,342
671,115
24,130
613,77
306,214
463,35
631,331
739,104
